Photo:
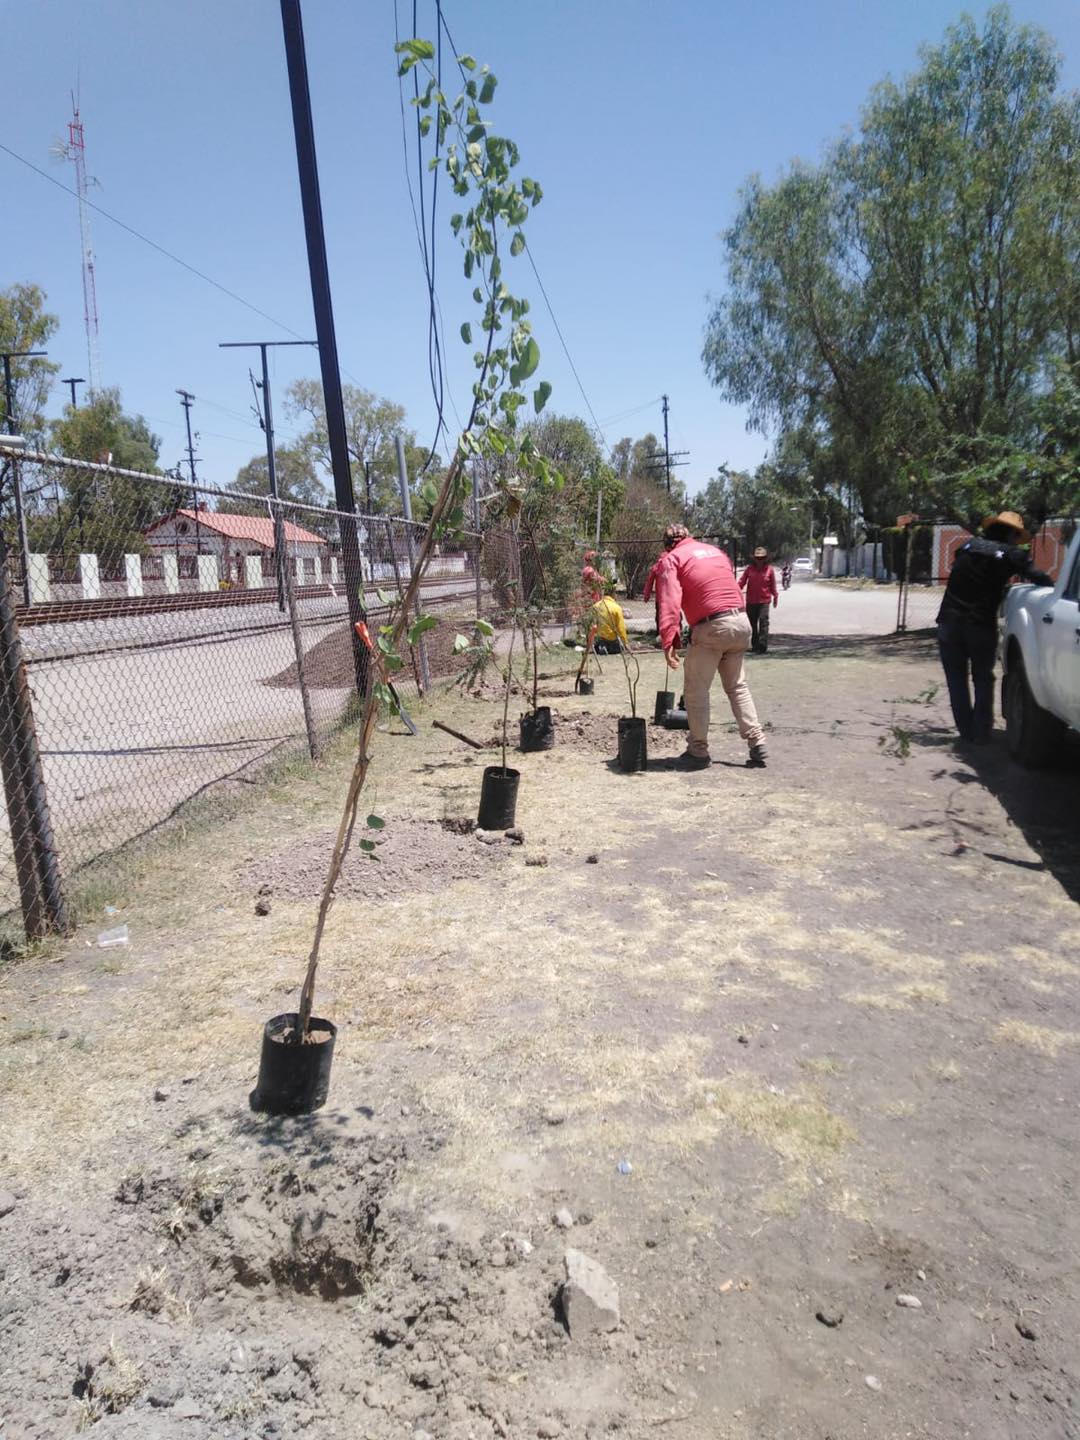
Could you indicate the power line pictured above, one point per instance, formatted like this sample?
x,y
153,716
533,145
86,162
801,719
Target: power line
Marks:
x,y
637,409
562,342
152,243
528,251
169,255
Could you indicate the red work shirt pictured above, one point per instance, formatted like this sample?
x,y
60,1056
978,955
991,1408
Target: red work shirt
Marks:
x,y
759,582
696,579
650,580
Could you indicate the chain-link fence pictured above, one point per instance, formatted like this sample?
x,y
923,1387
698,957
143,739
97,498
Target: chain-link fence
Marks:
x,y
156,642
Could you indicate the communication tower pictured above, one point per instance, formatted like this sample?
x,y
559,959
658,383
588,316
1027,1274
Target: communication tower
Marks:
x,y
75,151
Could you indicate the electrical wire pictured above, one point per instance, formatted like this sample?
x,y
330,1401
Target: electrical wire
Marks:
x,y
626,414
152,243
528,251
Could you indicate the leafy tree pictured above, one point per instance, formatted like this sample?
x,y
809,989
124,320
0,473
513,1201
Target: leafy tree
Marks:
x,y
371,423
101,513
26,325
297,481
902,304
767,508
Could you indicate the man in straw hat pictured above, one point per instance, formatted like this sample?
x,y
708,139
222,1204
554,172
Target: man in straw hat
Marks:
x,y
967,620
697,580
759,582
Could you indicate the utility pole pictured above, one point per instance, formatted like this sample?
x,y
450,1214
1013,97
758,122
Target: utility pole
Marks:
x,y
73,381
307,167
266,420
186,400
667,459
16,473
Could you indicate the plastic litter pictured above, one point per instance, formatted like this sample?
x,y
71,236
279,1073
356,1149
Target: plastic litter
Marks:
x,y
111,939
112,909
624,1167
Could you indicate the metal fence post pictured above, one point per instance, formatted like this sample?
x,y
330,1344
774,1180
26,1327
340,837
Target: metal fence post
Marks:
x,y
294,625
40,891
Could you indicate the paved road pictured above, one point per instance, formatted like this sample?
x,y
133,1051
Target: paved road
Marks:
x,y
817,607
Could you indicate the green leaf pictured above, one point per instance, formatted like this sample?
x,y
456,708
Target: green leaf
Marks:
x,y
540,395
460,644
530,358
375,822
367,845
420,626
466,333
393,663
417,49
424,124
383,598
483,627
466,62
429,492
487,89
517,244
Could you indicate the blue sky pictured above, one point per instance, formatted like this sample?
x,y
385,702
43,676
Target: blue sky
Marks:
x,y
640,120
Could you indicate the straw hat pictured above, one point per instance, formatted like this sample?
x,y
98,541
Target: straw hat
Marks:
x,y
761,553
1009,518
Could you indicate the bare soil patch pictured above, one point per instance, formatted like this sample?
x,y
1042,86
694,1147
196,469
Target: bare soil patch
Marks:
x,y
412,855
783,1044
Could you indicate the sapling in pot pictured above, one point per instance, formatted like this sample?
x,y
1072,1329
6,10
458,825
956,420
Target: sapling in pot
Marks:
x,y
536,729
632,740
294,1072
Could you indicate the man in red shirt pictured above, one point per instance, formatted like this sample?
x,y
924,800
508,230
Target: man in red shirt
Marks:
x,y
698,580
759,582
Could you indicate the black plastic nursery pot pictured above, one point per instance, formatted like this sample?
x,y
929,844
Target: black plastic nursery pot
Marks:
x,y
665,701
633,754
537,731
293,1078
498,798
584,686
676,719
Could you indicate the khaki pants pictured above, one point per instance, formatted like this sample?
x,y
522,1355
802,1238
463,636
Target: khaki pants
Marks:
x,y
719,645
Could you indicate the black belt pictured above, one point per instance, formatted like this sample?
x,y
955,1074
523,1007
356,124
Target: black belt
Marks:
x,y
716,614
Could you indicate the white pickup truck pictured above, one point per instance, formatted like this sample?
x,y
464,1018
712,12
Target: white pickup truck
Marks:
x,y
1040,652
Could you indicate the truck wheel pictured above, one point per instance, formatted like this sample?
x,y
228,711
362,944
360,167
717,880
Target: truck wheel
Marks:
x,y
1033,735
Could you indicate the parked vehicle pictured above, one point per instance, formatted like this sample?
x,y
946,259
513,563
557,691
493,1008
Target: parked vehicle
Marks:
x,y
1040,655
803,567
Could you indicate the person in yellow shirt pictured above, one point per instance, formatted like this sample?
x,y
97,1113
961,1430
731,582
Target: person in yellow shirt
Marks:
x,y
611,636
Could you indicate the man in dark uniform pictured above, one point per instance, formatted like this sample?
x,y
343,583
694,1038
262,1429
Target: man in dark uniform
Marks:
x,y
967,620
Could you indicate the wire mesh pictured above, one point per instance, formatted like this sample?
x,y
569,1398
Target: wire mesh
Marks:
x,y
169,644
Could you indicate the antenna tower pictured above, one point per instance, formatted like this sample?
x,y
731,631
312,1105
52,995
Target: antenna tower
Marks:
x,y
75,151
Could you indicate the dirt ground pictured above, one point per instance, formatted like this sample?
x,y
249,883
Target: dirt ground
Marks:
x,y
785,1045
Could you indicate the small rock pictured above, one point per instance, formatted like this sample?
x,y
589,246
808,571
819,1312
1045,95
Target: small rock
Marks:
x,y
548,1429
589,1298
1021,1329
873,1383
515,835
502,1351
921,1274
743,1039
564,1219
555,1115
829,1318
7,1203
187,1409
63,1034
909,1302
489,837
161,1093
262,906
624,1167
518,1243
670,1388
592,859
536,859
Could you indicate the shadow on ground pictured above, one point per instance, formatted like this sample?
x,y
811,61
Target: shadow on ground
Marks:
x,y
914,645
1044,805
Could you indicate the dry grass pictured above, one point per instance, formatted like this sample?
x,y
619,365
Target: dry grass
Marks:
x,y
1035,1037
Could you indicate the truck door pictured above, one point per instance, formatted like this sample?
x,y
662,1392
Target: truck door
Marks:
x,y
1062,642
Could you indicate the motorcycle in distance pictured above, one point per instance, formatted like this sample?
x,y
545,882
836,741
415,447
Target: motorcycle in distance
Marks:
x,y
785,575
